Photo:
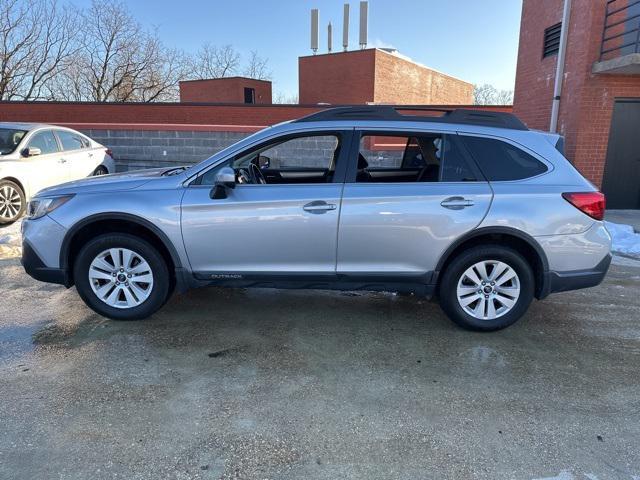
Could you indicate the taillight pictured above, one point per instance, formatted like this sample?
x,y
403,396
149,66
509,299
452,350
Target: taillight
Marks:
x,y
591,203
109,152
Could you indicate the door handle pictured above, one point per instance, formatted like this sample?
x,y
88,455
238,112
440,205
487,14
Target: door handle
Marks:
x,y
456,203
318,206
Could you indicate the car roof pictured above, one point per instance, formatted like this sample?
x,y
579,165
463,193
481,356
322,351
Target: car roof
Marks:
x,y
418,114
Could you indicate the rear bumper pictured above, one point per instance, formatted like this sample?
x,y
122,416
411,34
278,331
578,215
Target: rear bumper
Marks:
x,y
576,279
35,267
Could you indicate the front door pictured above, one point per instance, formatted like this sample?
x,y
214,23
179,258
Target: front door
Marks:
x,y
408,196
281,217
621,182
47,168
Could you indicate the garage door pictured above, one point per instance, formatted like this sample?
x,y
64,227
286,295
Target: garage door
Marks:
x,y
621,182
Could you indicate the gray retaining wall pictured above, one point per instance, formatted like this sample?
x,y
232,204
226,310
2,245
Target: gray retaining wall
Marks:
x,y
136,149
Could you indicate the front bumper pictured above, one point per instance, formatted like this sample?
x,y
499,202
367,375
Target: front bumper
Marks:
x,y
35,267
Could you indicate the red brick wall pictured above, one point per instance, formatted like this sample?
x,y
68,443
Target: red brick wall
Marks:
x,y
162,116
337,78
401,81
587,100
224,90
373,75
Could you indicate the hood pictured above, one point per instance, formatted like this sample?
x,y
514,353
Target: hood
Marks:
x,y
107,183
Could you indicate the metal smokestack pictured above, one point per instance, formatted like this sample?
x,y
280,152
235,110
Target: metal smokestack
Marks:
x,y
345,28
315,30
364,13
329,35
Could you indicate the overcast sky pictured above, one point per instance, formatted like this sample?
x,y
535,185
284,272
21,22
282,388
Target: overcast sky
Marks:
x,y
475,40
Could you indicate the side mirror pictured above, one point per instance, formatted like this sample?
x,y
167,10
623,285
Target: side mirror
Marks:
x,y
226,178
31,152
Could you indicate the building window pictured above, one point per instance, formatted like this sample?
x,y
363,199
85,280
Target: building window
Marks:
x,y
249,95
551,40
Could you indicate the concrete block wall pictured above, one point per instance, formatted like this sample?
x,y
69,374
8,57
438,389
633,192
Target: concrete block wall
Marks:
x,y
136,149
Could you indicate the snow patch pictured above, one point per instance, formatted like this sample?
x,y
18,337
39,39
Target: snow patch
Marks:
x,y
625,240
10,241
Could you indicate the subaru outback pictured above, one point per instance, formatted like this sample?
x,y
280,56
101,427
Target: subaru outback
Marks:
x,y
470,207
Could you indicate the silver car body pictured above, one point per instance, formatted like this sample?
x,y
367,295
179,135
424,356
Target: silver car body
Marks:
x,y
377,234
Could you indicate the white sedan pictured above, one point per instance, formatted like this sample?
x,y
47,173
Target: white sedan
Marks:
x,y
35,156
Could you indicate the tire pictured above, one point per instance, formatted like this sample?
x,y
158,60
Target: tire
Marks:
x,y
12,202
489,313
101,170
135,300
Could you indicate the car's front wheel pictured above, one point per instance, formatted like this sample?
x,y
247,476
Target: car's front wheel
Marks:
x,y
12,202
121,276
487,288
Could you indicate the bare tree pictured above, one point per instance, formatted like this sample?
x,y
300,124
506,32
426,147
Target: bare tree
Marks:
x,y
36,42
488,95
286,99
257,67
215,62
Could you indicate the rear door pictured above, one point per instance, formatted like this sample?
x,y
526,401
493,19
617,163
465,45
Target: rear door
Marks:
x,y
408,196
77,154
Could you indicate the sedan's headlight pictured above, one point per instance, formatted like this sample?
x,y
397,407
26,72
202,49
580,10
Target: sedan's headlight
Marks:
x,y
39,207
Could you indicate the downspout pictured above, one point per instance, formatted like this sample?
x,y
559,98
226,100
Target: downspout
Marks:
x,y
557,88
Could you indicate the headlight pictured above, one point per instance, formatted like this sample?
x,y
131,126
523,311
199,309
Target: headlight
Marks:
x,y
39,207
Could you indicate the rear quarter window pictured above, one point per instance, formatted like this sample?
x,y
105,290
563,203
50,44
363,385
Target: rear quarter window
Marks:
x,y
501,161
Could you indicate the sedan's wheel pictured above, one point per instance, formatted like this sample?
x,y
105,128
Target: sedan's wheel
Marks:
x,y
487,288
100,171
121,276
12,202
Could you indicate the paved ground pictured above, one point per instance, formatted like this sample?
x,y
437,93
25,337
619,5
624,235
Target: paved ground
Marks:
x,y
306,385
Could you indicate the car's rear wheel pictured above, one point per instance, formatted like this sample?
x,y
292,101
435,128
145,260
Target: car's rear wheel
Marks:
x,y
101,170
121,277
487,288
12,202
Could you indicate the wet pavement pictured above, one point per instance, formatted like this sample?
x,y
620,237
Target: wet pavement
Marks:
x,y
312,384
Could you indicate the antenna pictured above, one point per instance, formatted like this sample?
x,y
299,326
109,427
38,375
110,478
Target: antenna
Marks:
x,y
364,13
315,30
329,35
345,28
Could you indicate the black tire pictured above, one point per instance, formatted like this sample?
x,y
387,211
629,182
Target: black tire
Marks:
x,y
159,292
101,170
455,270
8,213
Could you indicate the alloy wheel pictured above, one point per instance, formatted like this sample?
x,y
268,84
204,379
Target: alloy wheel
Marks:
x,y
121,278
10,202
488,289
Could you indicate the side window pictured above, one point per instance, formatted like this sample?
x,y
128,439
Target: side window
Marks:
x,y
70,140
308,159
501,161
45,141
411,158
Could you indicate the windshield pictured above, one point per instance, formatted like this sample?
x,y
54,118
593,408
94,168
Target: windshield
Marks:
x,y
10,139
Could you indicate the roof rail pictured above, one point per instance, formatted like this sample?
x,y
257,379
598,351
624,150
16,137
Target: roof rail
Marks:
x,y
392,113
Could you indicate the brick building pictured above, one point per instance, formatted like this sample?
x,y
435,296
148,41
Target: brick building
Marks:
x,y
599,112
226,90
376,75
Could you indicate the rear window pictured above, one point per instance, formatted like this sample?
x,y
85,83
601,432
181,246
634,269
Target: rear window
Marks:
x,y
71,141
501,161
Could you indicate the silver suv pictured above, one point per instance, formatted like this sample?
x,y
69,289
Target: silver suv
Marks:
x,y
468,206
